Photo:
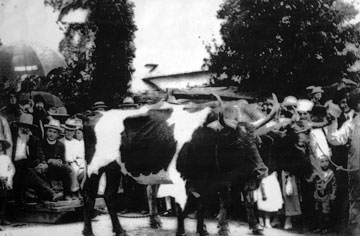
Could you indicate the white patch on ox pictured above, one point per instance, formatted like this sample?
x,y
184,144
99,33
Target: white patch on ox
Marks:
x,y
108,137
185,125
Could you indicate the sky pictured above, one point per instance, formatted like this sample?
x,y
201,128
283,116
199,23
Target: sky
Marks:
x,y
171,33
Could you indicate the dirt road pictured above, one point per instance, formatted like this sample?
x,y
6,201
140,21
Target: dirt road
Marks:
x,y
134,227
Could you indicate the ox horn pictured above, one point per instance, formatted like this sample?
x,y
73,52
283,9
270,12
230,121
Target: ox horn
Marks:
x,y
218,98
276,106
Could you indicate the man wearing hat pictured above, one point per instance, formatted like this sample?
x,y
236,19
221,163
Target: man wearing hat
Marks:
x,y
315,94
99,106
349,133
74,154
54,152
29,162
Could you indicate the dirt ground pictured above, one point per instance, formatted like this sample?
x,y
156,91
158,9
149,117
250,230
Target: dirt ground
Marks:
x,y
134,227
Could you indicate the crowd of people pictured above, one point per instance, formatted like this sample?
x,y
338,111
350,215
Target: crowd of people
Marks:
x,y
36,150
40,158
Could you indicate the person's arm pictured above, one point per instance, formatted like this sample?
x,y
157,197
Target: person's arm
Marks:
x,y
339,136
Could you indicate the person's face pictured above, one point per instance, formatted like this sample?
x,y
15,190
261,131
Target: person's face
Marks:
x,y
324,164
39,105
24,130
317,96
343,104
304,115
69,134
52,134
79,134
12,99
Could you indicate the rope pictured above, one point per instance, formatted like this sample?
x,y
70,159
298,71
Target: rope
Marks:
x,y
342,168
338,167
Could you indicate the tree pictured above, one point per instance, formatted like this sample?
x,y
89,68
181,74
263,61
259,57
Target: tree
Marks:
x,y
100,51
283,46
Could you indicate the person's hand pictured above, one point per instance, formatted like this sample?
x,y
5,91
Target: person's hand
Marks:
x,y
55,162
41,168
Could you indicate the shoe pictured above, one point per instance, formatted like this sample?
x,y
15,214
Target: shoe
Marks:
x,y
318,230
125,211
325,231
4,222
68,198
276,223
257,230
168,213
56,197
288,226
192,215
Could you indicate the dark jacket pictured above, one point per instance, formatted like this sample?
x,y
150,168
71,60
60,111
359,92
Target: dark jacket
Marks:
x,y
55,151
34,152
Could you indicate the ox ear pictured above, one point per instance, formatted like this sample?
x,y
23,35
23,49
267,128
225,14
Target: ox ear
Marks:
x,y
215,125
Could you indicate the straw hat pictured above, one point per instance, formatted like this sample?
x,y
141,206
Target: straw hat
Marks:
x,y
315,89
53,124
70,124
25,120
99,104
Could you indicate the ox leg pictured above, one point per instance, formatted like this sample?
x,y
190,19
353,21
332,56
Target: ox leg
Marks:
x,y
224,199
200,226
113,176
180,218
89,192
155,221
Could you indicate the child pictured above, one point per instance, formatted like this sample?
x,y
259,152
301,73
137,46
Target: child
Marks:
x,y
325,188
7,171
269,198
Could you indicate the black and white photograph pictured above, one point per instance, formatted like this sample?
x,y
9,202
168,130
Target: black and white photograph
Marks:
x,y
179,117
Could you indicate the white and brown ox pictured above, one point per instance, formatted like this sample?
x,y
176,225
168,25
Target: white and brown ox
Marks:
x,y
168,144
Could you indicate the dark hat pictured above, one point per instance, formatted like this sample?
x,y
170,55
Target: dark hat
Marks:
x,y
5,144
25,120
354,98
99,104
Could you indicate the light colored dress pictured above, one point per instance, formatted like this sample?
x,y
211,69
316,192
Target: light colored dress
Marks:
x,y
269,187
291,197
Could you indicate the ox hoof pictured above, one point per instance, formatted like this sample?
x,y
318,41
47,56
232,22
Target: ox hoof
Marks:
x,y
205,233
122,233
180,234
87,233
155,222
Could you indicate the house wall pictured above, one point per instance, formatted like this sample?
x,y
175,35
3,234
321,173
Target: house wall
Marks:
x,y
183,81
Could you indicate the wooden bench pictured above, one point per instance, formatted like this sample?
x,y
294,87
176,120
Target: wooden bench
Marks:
x,y
51,212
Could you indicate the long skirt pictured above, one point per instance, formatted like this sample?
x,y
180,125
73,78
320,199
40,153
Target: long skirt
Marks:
x,y
268,195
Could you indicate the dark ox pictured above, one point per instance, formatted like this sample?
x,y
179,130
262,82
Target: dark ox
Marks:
x,y
168,145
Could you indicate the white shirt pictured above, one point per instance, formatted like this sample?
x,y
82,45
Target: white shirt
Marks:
x,y
20,152
74,150
7,168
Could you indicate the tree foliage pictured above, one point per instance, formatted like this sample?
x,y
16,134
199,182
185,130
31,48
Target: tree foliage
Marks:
x,y
99,52
283,46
